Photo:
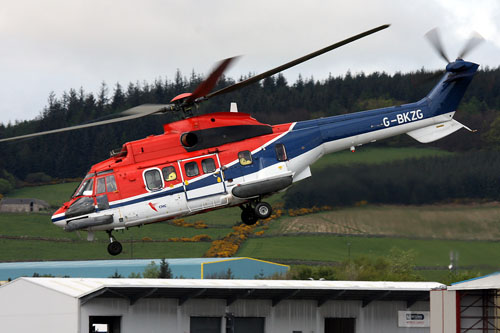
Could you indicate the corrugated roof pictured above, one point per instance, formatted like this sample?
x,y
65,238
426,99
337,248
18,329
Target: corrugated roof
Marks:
x,y
78,288
491,281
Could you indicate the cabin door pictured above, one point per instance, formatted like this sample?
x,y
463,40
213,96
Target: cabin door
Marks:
x,y
202,177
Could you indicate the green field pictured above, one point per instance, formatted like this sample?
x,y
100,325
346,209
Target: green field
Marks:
x,y
445,221
55,195
431,231
336,248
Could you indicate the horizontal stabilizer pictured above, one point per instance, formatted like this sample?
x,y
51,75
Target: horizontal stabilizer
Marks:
x,y
436,131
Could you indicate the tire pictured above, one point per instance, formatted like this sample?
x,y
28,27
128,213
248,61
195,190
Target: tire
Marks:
x,y
263,210
115,248
248,216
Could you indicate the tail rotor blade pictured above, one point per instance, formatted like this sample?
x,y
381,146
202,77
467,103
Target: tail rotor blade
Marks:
x,y
474,40
435,40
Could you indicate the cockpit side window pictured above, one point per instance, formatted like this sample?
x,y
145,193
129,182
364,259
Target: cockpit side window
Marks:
x,y
111,183
86,188
153,180
106,184
101,185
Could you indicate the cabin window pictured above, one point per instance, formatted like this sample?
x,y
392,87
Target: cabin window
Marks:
x,y
280,152
245,157
153,180
191,169
111,183
169,173
101,185
208,165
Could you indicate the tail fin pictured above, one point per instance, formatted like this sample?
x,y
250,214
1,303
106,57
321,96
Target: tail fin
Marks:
x,y
444,99
447,94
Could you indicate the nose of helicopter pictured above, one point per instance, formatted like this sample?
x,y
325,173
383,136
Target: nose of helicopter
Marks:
x,y
58,218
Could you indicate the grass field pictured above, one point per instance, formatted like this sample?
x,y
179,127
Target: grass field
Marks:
x,y
330,248
55,195
446,221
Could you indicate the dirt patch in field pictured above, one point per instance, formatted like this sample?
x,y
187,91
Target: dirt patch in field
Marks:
x,y
475,221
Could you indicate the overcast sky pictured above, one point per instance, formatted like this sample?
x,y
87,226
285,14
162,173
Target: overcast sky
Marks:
x,y
55,45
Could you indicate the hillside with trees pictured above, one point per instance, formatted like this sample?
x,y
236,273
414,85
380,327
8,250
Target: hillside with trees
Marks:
x,y
274,100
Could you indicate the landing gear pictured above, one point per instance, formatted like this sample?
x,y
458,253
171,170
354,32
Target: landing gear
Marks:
x,y
114,247
252,212
263,210
248,216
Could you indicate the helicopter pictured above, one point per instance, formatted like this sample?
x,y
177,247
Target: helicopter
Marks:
x,y
225,159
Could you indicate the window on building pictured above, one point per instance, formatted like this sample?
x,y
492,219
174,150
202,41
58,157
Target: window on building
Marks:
x,y
280,152
109,324
169,173
153,180
345,325
245,157
205,324
208,165
249,325
191,169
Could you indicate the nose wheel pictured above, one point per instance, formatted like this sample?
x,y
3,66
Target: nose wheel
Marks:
x,y
114,246
251,214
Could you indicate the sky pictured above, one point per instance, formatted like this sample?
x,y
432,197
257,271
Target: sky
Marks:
x,y
55,45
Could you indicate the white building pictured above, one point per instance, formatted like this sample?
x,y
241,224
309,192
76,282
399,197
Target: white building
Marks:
x,y
467,306
155,305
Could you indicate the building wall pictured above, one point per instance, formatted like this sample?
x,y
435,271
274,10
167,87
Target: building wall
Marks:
x,y
443,311
163,315
25,307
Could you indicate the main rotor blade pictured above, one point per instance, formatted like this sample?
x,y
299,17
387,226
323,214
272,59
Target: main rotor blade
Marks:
x,y
474,40
132,113
435,40
209,83
294,62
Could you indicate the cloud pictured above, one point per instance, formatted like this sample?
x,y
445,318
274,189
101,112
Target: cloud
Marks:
x,y
55,45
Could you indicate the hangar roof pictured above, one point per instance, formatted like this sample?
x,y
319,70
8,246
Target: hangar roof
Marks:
x,y
491,281
231,290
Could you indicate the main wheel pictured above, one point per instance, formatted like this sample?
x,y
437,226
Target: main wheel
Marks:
x,y
263,210
115,248
248,216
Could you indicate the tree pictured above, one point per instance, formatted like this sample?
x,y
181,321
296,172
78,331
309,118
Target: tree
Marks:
x,y
116,275
492,137
5,186
165,271
151,271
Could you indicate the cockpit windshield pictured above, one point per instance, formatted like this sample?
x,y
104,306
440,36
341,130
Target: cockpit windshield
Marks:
x,y
85,188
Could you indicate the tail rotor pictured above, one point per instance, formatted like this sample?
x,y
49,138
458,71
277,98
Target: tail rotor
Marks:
x,y
434,39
